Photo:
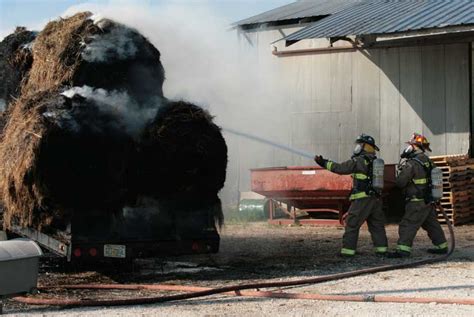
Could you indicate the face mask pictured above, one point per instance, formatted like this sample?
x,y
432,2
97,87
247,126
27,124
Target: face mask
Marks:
x,y
358,149
407,152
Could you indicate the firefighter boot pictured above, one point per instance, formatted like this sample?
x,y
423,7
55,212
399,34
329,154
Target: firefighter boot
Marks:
x,y
398,254
437,251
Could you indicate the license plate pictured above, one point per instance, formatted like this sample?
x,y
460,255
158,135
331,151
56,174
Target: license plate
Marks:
x,y
114,251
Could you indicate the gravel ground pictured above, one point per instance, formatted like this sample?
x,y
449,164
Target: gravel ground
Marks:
x,y
257,251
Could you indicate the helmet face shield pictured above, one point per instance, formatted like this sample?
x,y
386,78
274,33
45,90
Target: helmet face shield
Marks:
x,y
420,141
408,151
358,148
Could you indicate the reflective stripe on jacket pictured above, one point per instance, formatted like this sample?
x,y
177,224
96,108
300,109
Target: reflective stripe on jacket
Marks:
x,y
358,166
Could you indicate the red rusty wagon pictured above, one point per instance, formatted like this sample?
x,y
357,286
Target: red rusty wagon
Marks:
x,y
309,193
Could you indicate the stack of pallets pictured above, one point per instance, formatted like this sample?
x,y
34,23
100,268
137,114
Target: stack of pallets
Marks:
x,y
458,188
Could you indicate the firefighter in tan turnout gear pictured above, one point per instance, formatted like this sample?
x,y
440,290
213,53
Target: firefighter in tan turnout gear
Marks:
x,y
366,203
414,177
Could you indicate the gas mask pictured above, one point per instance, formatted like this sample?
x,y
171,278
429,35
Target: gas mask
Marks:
x,y
358,149
408,151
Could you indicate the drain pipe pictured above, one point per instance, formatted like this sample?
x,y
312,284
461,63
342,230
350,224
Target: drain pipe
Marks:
x,y
242,287
319,50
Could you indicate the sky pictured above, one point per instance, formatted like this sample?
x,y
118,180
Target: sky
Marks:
x,y
35,13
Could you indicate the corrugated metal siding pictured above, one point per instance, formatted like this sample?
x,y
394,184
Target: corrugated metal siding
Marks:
x,y
300,9
381,17
319,103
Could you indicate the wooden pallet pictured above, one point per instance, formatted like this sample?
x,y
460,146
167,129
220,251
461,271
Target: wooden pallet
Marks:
x,y
458,187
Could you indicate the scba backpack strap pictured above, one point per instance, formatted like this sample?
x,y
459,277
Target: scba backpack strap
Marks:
x,y
426,181
369,161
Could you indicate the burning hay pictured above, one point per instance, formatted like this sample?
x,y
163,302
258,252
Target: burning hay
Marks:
x,y
15,62
185,151
92,131
184,147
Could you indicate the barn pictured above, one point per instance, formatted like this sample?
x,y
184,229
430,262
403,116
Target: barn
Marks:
x,y
386,68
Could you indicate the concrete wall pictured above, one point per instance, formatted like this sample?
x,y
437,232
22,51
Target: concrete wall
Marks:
x,y
326,100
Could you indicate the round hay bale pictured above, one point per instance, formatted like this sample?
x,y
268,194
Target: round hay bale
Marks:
x,y
92,88
183,153
62,155
15,62
83,51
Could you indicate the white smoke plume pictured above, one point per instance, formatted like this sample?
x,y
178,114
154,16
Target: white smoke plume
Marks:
x,y
113,45
131,115
2,105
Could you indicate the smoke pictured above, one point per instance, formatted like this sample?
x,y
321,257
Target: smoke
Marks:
x,y
118,44
206,65
119,105
200,54
2,105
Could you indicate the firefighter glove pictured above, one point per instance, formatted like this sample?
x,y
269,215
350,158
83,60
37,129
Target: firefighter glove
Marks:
x,y
320,161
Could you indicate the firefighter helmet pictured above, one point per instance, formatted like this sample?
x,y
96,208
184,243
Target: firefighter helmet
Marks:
x,y
421,141
367,139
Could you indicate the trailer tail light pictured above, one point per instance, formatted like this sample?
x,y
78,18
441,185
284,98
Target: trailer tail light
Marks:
x,y
77,252
195,246
93,252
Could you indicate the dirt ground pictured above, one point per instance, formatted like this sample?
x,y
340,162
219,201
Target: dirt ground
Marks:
x,y
257,251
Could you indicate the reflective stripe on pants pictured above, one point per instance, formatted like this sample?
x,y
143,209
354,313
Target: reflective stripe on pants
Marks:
x,y
348,251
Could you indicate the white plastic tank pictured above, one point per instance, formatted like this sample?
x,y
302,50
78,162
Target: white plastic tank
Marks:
x,y
436,183
378,166
19,263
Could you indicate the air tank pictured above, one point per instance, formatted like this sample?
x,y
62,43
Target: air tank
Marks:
x,y
378,166
436,183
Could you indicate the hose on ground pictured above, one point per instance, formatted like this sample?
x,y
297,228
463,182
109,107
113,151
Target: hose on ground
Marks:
x,y
267,294
241,287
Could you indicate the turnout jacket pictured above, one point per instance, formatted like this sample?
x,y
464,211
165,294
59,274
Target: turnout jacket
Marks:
x,y
360,168
413,178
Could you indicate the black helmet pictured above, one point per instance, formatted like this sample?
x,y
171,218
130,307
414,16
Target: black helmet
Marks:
x,y
364,138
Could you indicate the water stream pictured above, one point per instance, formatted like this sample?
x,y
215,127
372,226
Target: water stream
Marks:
x,y
268,142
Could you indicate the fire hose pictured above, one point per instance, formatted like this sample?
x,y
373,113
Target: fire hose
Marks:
x,y
240,290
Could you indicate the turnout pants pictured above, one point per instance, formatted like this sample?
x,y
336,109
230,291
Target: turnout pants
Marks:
x,y
419,214
365,209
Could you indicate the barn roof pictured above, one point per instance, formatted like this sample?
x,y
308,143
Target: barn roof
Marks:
x,y
390,16
299,10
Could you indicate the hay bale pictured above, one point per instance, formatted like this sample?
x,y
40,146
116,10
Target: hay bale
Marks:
x,y
15,62
183,158
92,88
80,51
65,155
183,147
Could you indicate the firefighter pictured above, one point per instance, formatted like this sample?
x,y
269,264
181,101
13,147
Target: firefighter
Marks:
x,y
366,203
414,177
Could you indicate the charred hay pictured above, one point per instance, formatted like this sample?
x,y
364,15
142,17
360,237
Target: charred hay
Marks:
x,y
79,51
15,62
183,157
184,147
64,156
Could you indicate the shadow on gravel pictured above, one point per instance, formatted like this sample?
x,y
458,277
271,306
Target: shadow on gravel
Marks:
x,y
412,290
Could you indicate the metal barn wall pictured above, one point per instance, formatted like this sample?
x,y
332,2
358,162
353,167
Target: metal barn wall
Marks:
x,y
326,100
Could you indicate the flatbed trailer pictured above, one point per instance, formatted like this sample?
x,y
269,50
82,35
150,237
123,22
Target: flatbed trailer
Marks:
x,y
134,233
310,191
